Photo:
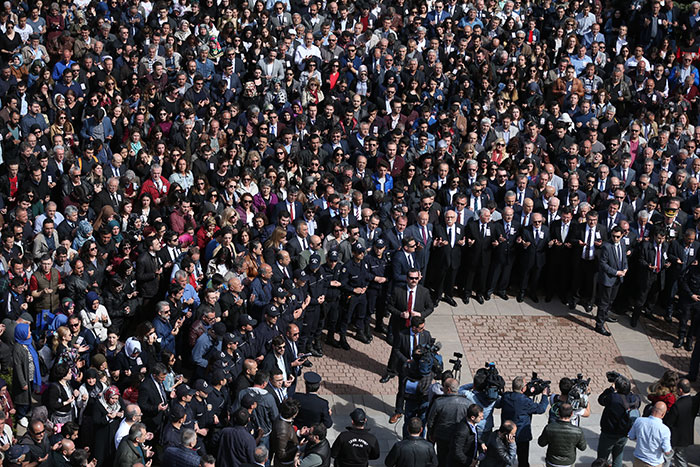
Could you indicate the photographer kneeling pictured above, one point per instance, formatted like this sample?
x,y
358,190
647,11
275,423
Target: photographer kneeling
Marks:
x,y
615,422
519,408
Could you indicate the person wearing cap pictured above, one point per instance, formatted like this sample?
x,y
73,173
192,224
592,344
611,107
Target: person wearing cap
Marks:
x,y
355,446
355,277
202,410
172,432
219,396
269,328
249,344
230,359
377,292
330,273
17,455
206,343
314,409
310,339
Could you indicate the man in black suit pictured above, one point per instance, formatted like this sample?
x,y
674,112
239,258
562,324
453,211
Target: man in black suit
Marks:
x,y
394,237
680,419
506,232
480,242
276,359
148,271
447,256
300,241
109,196
153,398
589,237
652,264
682,253
290,205
407,301
560,256
403,261
464,451
314,409
534,241
405,344
612,268
281,270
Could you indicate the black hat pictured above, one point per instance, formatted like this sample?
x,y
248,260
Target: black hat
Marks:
x,y
272,311
177,412
311,377
183,390
219,330
358,416
201,385
301,275
245,320
333,255
216,376
16,452
380,243
358,248
279,292
315,261
230,337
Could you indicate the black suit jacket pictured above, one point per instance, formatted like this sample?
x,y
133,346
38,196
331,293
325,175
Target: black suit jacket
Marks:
x,y
398,301
535,254
506,246
448,256
269,363
149,400
314,409
463,448
401,350
146,277
681,420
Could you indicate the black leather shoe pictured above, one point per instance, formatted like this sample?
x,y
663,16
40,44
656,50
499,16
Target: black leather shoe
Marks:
x,y
330,340
520,298
450,301
307,364
480,299
534,298
678,344
487,297
611,319
315,353
380,329
649,315
688,344
572,305
603,331
589,309
465,299
501,295
344,343
360,336
668,318
385,379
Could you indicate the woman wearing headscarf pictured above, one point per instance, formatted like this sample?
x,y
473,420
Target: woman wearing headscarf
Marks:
x,y
92,388
83,235
129,361
26,375
95,316
106,417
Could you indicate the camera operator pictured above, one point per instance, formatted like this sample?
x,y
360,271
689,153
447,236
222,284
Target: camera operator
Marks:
x,y
444,416
519,408
615,422
405,344
556,400
418,378
486,393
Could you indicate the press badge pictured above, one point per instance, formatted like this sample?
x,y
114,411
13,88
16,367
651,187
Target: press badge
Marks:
x,y
488,232
691,253
541,235
597,235
627,241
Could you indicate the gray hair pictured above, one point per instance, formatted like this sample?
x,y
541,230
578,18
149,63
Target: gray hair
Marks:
x,y
70,210
643,214
189,437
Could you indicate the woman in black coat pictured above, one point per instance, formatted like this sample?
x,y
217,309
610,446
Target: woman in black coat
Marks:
x,y
107,414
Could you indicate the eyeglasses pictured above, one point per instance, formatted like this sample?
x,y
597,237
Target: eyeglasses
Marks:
x,y
413,278
74,325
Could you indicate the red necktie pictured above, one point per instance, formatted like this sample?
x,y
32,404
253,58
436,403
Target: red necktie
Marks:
x,y
459,217
641,232
291,212
425,236
658,258
409,307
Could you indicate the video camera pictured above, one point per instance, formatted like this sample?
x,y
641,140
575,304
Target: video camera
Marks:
x,y
536,385
489,382
430,359
578,396
612,376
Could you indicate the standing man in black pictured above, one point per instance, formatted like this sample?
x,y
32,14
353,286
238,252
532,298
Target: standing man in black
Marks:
x,y
505,232
653,261
355,447
466,446
590,237
682,253
612,269
533,240
314,409
148,271
680,418
480,240
447,245
560,257
405,344
413,451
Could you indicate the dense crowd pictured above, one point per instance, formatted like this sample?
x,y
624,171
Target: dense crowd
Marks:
x,y
198,196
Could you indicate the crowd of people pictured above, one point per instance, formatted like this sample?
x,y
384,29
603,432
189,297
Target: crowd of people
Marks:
x,y
198,196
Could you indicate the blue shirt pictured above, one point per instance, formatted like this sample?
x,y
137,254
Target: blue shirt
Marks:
x,y
653,440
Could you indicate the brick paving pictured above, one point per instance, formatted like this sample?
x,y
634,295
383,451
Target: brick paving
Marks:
x,y
662,335
554,347
356,371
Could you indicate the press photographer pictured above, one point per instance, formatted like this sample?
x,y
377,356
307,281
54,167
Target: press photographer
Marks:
x,y
485,392
418,376
518,406
620,410
574,391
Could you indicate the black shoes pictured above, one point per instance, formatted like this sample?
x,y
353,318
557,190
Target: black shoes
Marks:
x,y
588,308
572,305
688,344
343,343
330,340
534,298
678,344
449,300
307,364
487,297
521,297
480,299
385,379
501,295
466,298
611,319
603,332
634,321
360,336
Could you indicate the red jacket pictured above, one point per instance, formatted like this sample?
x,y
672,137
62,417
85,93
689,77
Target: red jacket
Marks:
x,y
149,187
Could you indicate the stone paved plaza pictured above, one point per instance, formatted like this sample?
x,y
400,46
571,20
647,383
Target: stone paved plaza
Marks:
x,y
520,338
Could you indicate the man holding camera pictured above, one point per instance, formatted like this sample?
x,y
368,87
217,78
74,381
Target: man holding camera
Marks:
x,y
616,421
518,407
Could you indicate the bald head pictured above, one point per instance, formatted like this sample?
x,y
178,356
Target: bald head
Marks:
x,y
659,410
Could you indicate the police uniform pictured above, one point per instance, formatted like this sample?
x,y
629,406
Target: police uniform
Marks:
x,y
355,275
314,409
229,364
376,293
264,333
311,329
330,309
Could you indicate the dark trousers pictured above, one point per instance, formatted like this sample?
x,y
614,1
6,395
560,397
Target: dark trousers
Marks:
x,y
445,282
331,312
400,395
606,298
523,452
530,278
312,316
611,445
376,303
357,306
477,273
443,451
694,364
501,270
559,273
688,313
585,279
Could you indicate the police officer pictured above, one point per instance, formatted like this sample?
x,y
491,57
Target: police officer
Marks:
x,y
670,225
229,359
314,409
219,397
316,287
355,277
268,329
330,272
356,446
376,293
201,408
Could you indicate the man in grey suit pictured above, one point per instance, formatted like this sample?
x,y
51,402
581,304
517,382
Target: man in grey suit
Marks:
x,y
612,268
422,231
271,67
280,19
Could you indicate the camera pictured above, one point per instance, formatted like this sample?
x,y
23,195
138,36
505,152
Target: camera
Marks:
x,y
489,382
612,376
578,396
456,364
429,359
536,385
